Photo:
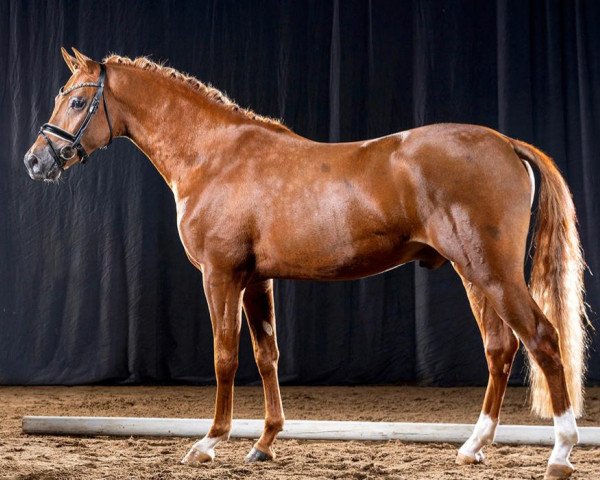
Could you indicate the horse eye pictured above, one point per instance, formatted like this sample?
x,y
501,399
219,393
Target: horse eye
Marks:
x,y
77,103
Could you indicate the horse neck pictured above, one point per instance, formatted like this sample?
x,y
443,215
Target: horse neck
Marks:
x,y
176,127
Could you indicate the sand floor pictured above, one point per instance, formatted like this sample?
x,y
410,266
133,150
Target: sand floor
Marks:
x,y
51,457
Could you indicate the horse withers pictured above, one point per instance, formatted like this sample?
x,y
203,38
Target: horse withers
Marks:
x,y
256,201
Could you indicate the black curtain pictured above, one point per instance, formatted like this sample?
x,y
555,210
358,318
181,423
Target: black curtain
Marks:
x,y
94,283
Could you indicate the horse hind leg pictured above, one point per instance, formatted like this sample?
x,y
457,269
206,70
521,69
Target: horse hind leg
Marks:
x,y
486,244
540,338
501,345
509,296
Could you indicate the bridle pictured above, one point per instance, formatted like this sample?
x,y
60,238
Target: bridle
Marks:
x,y
68,152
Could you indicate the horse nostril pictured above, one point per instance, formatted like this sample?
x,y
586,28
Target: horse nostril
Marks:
x,y
33,163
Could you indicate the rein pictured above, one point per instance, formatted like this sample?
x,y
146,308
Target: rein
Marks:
x,y
66,153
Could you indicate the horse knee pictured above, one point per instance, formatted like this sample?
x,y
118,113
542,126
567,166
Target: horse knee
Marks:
x,y
266,360
226,364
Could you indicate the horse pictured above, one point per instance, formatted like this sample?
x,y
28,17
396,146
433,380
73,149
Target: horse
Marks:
x,y
255,202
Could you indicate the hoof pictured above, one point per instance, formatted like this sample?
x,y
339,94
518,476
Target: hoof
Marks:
x,y
558,472
196,457
462,459
257,455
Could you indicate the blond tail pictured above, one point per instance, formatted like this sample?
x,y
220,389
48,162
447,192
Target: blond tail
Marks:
x,y
556,281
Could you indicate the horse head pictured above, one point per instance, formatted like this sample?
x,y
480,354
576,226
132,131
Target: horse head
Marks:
x,y
74,130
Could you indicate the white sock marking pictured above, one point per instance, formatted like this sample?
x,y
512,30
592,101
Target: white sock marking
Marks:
x,y
565,437
483,434
207,445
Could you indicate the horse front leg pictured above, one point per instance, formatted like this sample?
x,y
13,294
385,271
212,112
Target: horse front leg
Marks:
x,y
224,296
260,313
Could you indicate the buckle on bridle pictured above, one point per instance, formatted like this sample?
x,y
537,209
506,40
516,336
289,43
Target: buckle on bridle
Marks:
x,y
68,152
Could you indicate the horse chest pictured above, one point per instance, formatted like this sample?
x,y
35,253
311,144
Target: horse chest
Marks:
x,y
209,235
183,230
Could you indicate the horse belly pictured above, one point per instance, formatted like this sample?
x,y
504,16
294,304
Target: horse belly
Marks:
x,y
319,260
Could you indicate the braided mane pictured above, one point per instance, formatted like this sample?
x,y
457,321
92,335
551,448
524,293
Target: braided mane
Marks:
x,y
210,92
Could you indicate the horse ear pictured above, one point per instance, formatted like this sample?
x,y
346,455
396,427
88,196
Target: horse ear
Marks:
x,y
85,63
69,60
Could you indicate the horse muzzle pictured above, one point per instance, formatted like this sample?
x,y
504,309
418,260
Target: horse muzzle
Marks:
x,y
41,167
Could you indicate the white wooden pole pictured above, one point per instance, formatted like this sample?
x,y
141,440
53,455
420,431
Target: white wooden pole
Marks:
x,y
299,429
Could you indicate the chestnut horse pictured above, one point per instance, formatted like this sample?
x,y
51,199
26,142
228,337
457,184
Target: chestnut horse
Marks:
x,y
256,201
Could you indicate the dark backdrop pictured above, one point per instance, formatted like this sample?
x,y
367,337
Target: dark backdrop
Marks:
x,y
94,283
